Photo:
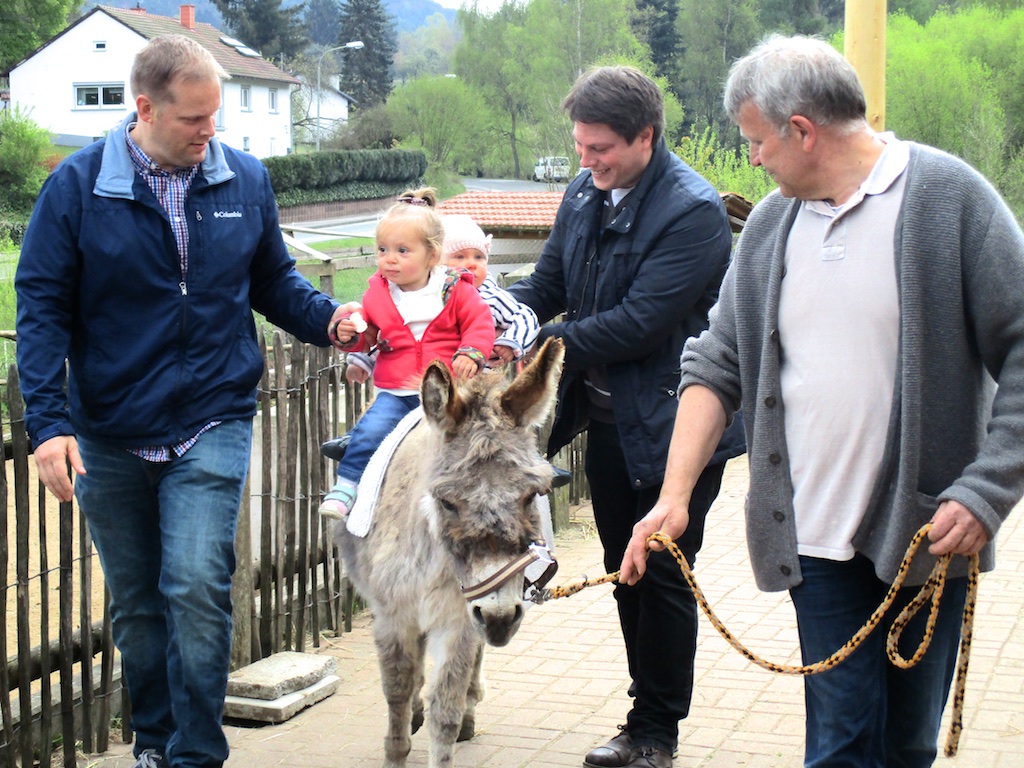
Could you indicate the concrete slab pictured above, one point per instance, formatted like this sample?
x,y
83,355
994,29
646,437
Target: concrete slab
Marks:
x,y
283,708
279,674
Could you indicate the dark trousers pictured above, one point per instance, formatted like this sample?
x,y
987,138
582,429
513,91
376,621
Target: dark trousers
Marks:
x,y
659,614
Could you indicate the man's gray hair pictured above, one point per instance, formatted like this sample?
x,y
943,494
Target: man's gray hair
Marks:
x,y
786,76
168,58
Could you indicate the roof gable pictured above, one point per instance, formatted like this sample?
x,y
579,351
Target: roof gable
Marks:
x,y
148,26
228,56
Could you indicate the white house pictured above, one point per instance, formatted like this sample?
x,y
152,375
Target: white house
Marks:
x,y
77,84
333,108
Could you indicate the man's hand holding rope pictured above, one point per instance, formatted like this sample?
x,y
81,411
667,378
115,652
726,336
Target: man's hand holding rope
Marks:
x,y
670,519
956,530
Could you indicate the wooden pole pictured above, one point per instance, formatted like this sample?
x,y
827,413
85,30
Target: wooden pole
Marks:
x,y
864,48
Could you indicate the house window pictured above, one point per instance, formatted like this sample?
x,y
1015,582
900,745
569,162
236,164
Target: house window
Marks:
x,y
99,96
100,46
273,101
246,99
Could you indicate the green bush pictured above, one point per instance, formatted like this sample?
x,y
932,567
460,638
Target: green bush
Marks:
x,y
24,147
726,169
315,172
360,190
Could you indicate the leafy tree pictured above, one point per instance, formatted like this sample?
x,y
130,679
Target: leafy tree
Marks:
x,y
996,39
368,129
443,116
24,147
27,24
788,16
367,73
714,33
938,96
322,18
427,51
492,58
655,25
265,25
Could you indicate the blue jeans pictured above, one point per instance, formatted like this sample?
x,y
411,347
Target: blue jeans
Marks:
x,y
867,713
165,535
369,432
658,615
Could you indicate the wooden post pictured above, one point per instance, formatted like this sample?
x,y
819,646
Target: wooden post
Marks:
x,y
864,48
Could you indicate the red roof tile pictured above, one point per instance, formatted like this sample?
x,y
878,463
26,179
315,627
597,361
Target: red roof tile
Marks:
x,y
529,214
235,64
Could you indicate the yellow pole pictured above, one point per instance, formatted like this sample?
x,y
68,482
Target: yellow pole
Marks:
x,y
865,50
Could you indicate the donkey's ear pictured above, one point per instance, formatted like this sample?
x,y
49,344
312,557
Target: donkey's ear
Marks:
x,y
530,396
441,403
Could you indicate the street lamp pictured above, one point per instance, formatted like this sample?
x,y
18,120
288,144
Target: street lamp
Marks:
x,y
354,44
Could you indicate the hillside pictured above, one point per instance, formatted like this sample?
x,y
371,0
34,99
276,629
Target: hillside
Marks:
x,y
409,14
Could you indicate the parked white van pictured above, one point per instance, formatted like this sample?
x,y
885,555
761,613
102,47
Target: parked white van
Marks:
x,y
552,169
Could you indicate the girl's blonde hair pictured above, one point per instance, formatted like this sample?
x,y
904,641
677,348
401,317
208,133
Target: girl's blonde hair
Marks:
x,y
417,208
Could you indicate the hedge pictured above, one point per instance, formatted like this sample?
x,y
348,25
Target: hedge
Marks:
x,y
333,170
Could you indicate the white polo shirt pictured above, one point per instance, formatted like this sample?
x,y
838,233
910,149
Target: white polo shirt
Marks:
x,y
839,333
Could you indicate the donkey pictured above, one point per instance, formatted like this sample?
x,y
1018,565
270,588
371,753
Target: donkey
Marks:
x,y
456,506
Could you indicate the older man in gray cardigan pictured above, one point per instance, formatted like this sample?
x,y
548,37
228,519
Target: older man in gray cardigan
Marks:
x,y
871,310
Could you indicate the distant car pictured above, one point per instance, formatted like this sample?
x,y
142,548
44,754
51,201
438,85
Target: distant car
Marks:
x,y
552,169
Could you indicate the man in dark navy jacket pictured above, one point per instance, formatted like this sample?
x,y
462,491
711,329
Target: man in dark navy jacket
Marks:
x,y
634,262
143,262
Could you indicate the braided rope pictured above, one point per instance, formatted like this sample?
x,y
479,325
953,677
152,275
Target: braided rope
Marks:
x,y
931,591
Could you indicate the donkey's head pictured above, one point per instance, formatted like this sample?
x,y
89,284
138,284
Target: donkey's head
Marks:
x,y
487,475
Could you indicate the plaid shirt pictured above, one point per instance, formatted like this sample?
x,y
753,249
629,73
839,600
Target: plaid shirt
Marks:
x,y
171,188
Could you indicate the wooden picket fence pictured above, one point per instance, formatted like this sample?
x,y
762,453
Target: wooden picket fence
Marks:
x,y
60,690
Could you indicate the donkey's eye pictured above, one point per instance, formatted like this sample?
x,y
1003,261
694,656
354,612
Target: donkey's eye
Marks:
x,y
447,505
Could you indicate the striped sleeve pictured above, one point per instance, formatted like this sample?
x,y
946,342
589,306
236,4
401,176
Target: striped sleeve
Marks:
x,y
517,323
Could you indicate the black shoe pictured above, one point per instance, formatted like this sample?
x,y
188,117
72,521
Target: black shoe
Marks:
x,y
560,477
649,757
615,754
335,448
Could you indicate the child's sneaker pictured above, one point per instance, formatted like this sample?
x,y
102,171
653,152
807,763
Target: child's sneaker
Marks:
x,y
338,501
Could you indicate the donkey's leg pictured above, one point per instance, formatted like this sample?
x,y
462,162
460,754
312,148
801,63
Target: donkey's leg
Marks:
x,y
455,655
397,653
473,697
417,701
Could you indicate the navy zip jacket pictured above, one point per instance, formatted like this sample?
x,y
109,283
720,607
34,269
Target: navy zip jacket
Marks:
x,y
631,297
152,357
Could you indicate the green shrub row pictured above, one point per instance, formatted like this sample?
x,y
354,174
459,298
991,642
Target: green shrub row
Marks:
x,y
331,169
356,190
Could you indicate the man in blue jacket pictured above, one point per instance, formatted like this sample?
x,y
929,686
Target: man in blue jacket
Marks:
x,y
634,261
143,262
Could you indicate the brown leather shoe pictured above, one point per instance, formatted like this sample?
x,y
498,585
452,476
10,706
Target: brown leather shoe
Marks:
x,y
649,757
615,754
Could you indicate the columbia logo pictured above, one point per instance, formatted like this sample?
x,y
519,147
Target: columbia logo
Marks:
x,y
227,214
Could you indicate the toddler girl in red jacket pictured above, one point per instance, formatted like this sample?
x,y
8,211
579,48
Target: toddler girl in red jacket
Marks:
x,y
414,311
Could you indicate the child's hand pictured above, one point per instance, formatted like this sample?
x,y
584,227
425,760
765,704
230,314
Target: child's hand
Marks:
x,y
505,353
346,324
356,374
464,367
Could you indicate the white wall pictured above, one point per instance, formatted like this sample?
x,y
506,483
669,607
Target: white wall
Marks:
x,y
268,133
47,84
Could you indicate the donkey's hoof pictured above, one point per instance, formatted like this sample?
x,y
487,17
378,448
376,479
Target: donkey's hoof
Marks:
x,y
468,729
417,720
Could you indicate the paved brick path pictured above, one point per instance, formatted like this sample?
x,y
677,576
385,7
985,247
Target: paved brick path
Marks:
x,y
560,687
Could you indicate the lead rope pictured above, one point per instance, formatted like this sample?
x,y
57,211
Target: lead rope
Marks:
x,y
930,591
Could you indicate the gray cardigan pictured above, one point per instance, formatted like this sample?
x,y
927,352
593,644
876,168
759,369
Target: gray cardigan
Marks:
x,y
952,433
